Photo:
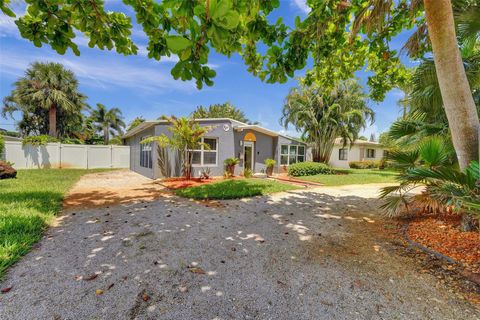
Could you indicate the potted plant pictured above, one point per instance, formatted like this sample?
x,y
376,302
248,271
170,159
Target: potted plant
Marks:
x,y
270,163
230,164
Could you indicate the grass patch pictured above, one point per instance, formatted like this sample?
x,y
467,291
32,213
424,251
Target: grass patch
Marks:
x,y
353,176
28,205
233,189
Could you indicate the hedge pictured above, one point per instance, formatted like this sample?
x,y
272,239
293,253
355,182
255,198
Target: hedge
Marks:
x,y
309,169
2,144
366,164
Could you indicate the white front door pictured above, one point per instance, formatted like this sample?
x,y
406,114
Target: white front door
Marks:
x,y
248,156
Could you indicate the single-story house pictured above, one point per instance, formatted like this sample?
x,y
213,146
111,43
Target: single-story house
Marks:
x,y
361,150
229,138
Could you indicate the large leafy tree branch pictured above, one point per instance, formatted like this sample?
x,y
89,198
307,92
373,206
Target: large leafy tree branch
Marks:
x,y
190,29
338,36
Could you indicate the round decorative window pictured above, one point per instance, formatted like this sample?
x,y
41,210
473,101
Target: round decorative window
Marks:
x,y
226,127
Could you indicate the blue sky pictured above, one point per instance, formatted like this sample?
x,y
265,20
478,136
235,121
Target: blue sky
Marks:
x,y
143,87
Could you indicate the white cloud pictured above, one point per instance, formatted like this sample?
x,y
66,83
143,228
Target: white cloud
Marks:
x,y
302,5
101,72
8,28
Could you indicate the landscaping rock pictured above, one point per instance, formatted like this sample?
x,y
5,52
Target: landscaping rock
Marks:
x,y
7,171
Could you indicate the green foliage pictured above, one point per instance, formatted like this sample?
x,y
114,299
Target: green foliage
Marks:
x,y
309,169
186,136
430,165
340,38
353,176
233,189
28,205
39,140
224,110
107,121
2,144
270,163
231,162
365,164
323,114
45,86
247,173
72,141
117,140
135,122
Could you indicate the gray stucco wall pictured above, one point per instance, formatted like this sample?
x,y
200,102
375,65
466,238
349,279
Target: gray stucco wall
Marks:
x,y
229,145
134,143
225,147
263,149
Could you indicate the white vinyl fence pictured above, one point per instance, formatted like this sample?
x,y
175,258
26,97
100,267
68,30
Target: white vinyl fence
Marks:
x,y
57,155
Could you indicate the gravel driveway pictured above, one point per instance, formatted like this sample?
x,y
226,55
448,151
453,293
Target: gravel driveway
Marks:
x,y
309,254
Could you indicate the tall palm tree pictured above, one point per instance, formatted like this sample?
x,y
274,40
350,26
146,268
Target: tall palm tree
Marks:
x,y
439,33
322,115
108,121
46,88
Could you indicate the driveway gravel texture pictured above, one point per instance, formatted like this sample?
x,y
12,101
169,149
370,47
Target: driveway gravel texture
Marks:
x,y
305,254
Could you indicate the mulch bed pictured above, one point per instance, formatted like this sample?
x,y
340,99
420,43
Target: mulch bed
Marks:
x,y
180,183
441,233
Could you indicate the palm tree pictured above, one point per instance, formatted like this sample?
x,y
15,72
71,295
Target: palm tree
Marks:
x,y
322,114
108,121
430,166
438,32
186,135
456,93
46,88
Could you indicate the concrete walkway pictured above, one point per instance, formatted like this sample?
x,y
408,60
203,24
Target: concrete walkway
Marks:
x,y
309,254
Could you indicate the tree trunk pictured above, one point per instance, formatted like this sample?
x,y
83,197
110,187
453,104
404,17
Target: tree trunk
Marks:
x,y
52,121
105,135
456,93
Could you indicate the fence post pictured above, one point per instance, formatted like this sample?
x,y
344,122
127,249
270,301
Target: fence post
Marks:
x,y
59,156
111,156
87,148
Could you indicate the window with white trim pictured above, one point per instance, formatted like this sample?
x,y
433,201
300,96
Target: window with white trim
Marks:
x,y
343,154
205,156
290,154
145,154
371,153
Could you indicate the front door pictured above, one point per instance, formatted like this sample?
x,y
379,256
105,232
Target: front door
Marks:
x,y
248,152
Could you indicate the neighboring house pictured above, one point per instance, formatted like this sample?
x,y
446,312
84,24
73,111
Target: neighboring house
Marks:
x,y
229,138
360,150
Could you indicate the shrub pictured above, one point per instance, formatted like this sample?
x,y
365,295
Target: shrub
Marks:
x,y
247,173
309,169
205,173
2,145
366,164
6,171
231,161
38,140
230,164
72,141
270,163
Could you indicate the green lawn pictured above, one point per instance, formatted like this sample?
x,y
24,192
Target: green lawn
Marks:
x,y
28,205
354,176
233,189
